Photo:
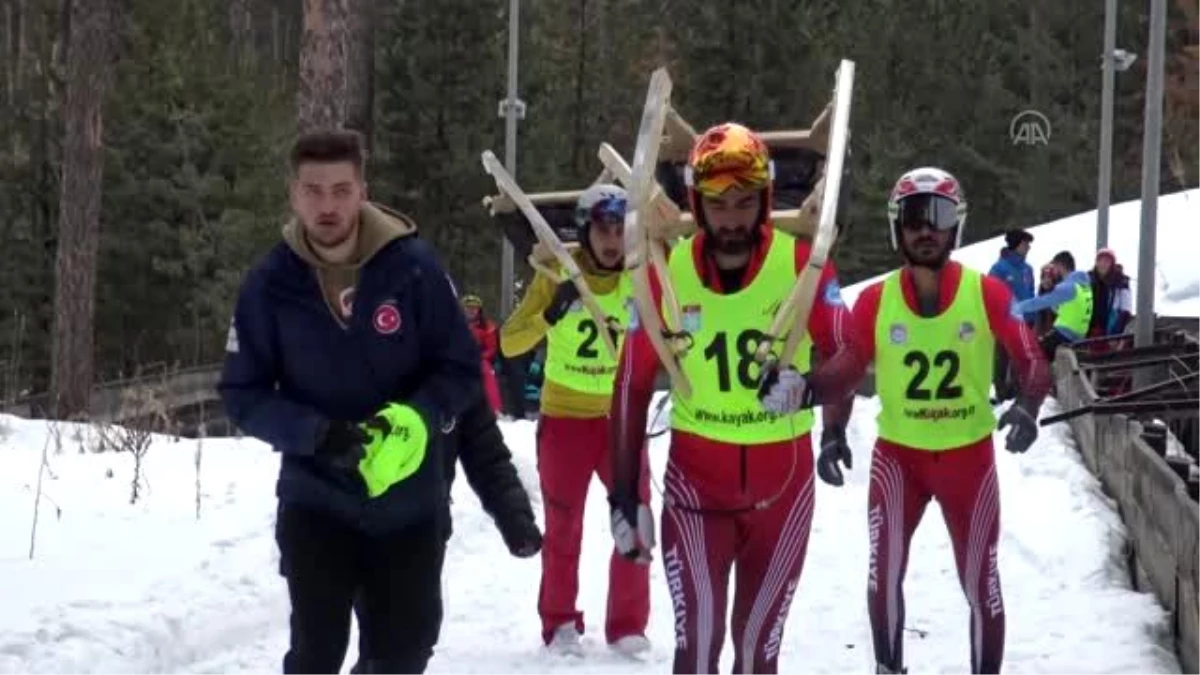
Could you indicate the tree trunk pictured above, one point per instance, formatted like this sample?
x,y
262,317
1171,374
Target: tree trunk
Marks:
x,y
579,109
322,94
89,74
241,33
14,50
360,68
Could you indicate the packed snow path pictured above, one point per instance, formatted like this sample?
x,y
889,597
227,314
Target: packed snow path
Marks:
x,y
116,587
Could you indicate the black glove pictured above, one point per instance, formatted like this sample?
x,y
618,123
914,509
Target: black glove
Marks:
x,y
564,295
341,445
1024,427
833,448
522,536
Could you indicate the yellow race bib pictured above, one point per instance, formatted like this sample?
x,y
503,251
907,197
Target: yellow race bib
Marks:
x,y
934,374
727,329
576,357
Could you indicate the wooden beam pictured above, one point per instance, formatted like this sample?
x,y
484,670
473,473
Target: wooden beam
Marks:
x,y
541,254
680,135
501,203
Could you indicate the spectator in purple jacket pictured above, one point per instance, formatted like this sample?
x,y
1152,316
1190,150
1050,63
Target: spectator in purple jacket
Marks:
x,y
1112,301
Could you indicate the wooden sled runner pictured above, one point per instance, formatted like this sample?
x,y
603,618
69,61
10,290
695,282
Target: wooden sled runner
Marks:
x,y
651,221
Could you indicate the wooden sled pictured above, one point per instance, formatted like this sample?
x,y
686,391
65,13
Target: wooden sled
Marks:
x,y
651,221
804,149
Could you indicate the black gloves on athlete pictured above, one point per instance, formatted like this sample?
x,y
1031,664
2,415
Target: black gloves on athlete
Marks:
x,y
560,304
834,448
1024,426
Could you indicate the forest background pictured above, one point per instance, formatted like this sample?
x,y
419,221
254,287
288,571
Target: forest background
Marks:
x,y
143,142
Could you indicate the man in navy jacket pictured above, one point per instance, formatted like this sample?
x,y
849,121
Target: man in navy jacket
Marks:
x,y
349,354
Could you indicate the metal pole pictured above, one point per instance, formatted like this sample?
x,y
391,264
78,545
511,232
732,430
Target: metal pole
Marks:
x,y
510,153
1151,156
1106,124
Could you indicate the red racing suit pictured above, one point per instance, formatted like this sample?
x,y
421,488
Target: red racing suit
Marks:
x,y
962,480
710,522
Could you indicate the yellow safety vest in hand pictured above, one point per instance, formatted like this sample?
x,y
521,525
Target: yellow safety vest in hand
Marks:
x,y
394,457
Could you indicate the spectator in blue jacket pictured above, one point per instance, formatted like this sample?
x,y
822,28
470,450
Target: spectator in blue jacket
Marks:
x,y
1013,269
349,354
1017,274
1071,300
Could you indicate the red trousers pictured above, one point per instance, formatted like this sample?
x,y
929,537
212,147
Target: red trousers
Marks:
x,y
570,451
490,387
728,506
963,481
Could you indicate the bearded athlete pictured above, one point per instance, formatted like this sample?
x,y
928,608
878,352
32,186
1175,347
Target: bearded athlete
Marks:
x,y
931,329
572,435
739,479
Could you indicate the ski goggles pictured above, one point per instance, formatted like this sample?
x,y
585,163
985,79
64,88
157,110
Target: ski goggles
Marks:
x,y
920,211
611,210
718,172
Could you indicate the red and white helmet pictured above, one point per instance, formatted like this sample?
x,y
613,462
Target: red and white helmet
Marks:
x,y
729,155
931,195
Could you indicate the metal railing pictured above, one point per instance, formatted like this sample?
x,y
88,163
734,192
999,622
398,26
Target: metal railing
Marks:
x,y
163,390
1124,436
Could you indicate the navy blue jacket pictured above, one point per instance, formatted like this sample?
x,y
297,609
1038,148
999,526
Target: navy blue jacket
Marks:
x,y
290,368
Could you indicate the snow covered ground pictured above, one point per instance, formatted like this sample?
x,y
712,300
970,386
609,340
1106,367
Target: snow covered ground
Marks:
x,y
148,587
1177,282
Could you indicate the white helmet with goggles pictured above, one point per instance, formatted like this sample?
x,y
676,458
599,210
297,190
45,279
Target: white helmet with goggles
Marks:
x,y
927,196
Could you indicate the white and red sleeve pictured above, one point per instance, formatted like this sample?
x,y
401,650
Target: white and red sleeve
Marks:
x,y
838,378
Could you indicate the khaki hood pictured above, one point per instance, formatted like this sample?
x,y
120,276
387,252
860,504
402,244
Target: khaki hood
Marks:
x,y
378,225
